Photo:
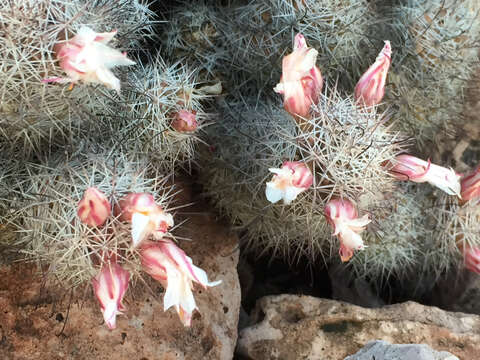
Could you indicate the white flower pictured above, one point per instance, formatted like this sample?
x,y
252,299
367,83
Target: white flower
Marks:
x,y
290,180
343,216
167,263
86,57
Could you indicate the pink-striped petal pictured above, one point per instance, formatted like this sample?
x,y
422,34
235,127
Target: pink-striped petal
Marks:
x,y
94,208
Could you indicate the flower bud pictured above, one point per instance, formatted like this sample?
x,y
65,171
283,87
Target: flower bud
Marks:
x,y
370,89
471,257
185,121
110,286
301,81
470,186
93,209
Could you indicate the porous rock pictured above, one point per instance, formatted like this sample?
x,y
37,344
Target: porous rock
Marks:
x,y
382,350
302,327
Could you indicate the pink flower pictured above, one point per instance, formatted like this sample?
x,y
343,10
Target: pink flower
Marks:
x,y
343,217
371,86
169,265
301,81
146,216
470,186
93,209
87,58
290,180
110,286
407,167
185,121
471,256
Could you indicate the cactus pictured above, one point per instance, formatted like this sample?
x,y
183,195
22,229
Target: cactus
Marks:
x,y
34,115
396,237
49,228
191,34
10,171
344,145
436,42
154,96
243,43
456,228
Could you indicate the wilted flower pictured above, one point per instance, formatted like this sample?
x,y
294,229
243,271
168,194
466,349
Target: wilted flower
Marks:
x,y
343,217
87,58
146,216
290,180
371,86
301,81
110,286
169,265
470,186
407,167
471,257
185,121
93,209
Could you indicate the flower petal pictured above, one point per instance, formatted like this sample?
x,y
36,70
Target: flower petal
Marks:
x,y
291,193
272,193
140,228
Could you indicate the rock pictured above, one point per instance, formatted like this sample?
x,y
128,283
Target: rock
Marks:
x,y
382,350
303,327
32,316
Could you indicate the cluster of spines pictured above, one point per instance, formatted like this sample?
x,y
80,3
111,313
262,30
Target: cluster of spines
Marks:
x,y
396,235
243,43
437,56
46,214
36,116
345,145
153,95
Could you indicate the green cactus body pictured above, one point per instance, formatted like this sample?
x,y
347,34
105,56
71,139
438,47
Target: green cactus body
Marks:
x,y
47,221
34,115
345,146
433,67
154,95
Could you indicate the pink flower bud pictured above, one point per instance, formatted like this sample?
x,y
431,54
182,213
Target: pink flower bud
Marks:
x,y
343,217
470,186
407,167
471,257
94,208
185,121
301,81
291,179
169,265
146,216
371,86
87,58
110,286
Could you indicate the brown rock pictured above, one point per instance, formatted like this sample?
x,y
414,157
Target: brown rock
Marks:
x,y
32,315
303,327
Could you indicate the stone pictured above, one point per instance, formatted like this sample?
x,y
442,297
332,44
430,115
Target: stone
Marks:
x,y
41,322
382,350
303,327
